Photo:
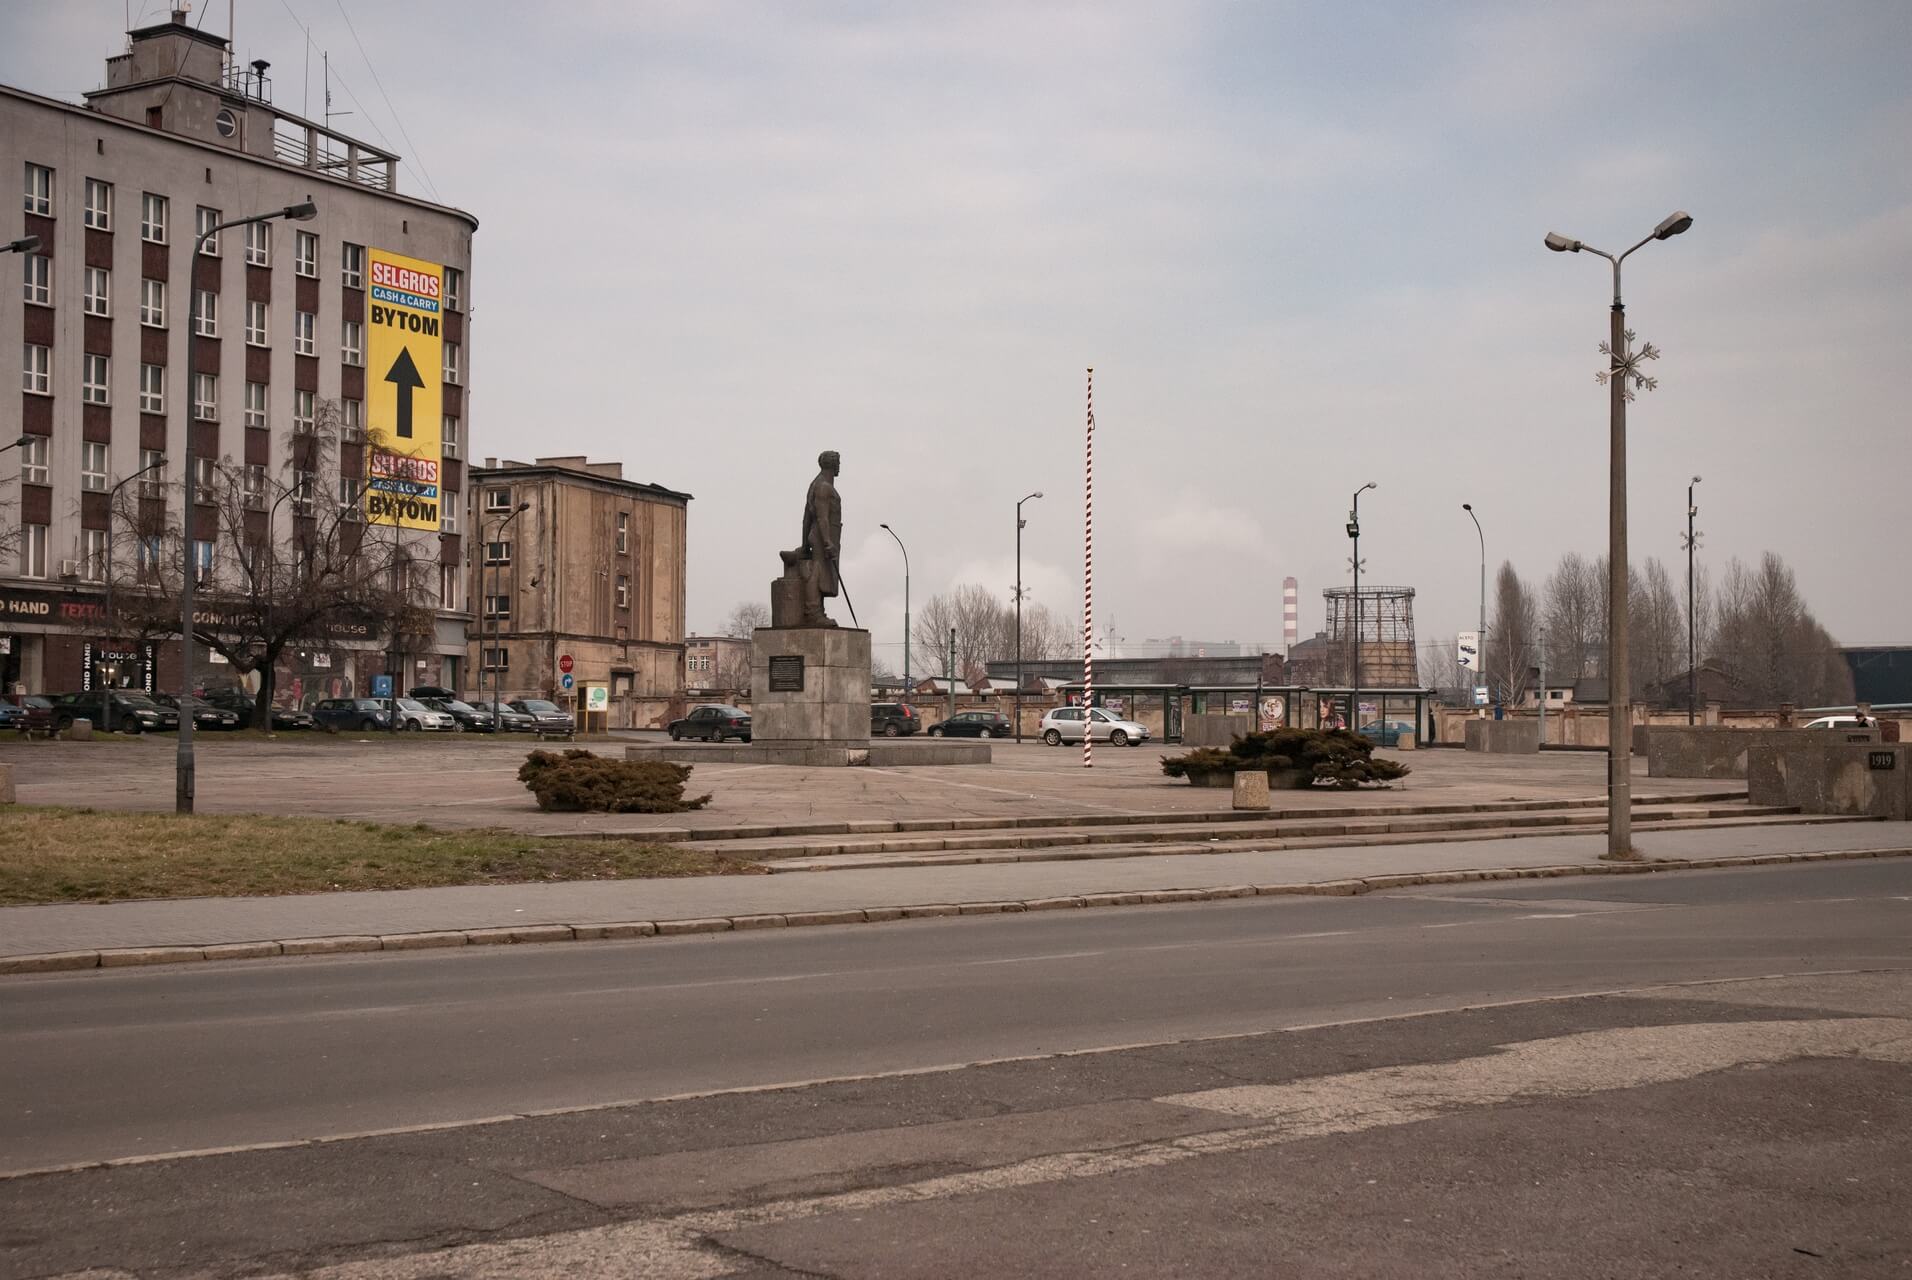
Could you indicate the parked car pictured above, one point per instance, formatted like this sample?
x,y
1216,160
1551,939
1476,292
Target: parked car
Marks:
x,y
205,715
512,720
470,719
426,691
133,711
893,720
30,713
415,716
1386,733
365,714
240,703
12,715
1067,724
712,723
546,717
1842,722
973,724
292,718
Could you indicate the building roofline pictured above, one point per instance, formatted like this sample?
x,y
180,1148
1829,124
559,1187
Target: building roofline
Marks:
x,y
179,28
533,470
317,175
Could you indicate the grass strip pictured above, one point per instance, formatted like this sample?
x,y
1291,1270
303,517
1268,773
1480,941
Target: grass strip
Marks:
x,y
52,854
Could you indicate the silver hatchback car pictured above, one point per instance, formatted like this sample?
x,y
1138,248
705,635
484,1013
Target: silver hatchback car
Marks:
x,y
1067,724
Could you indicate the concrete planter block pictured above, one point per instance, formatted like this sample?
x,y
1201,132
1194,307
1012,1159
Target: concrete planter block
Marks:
x,y
6,784
1504,737
82,730
1251,789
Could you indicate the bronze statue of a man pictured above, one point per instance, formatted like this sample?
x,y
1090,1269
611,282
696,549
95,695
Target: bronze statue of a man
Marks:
x,y
813,565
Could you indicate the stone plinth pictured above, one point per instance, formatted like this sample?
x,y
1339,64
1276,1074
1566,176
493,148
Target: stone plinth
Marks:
x,y
1819,773
1251,789
830,705
1504,737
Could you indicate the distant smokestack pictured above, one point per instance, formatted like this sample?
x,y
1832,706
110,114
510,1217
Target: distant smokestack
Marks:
x,y
1290,614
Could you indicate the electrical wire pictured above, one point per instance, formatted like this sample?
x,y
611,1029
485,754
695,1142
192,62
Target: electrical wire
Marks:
x,y
429,184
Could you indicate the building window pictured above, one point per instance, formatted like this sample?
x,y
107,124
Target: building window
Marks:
x,y
33,550
497,500
305,254
304,333
352,418
97,300
454,288
257,412
623,591
448,436
348,493
36,273
497,553
93,554
352,266
452,353
33,460
204,221
33,369
149,556
99,204
255,324
448,586
352,343
624,533
448,518
498,606
93,380
258,244
152,388
206,320
202,561
152,303
39,190
152,465
205,475
206,396
152,218
305,417
302,490
93,466
496,659
255,485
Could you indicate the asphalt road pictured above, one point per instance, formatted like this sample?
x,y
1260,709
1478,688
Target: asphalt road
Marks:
x,y
114,1063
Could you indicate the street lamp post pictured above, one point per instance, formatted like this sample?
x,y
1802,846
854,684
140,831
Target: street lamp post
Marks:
x,y
497,673
1354,532
1019,524
1622,368
906,607
112,499
25,244
1692,611
1480,637
183,779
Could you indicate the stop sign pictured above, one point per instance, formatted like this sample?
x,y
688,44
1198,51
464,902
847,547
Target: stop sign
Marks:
x,y
564,663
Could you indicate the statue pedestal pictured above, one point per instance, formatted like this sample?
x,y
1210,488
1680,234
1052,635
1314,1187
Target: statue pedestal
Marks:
x,y
810,687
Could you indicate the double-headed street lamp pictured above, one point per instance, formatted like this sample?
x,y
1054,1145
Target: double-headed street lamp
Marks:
x,y
497,643
183,771
1480,637
906,606
1020,522
1354,532
1620,376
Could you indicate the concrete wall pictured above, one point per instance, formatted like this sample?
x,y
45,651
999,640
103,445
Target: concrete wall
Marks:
x,y
1765,756
1680,752
1215,729
1504,737
1821,776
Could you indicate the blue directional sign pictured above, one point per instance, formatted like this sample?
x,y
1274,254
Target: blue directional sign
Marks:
x,y
566,680
381,686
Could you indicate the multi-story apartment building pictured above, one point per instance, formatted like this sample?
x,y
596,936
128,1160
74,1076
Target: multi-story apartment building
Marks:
x,y
284,325
576,560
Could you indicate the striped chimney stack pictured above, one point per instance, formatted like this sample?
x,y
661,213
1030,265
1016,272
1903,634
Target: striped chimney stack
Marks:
x,y
1290,614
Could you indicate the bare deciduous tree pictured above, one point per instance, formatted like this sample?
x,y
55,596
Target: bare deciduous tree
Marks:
x,y
746,618
1511,644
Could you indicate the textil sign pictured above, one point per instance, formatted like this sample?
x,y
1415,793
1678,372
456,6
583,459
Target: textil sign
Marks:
x,y
405,391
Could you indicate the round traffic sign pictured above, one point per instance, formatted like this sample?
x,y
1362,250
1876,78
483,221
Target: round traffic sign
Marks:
x,y
566,680
564,663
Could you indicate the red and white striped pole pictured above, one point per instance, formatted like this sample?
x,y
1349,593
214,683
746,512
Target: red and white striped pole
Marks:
x,y
1088,580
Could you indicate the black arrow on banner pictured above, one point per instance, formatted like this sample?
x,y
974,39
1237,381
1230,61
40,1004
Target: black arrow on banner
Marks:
x,y
404,376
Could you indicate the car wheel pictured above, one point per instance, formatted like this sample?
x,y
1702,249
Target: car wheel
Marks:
x,y
935,733
893,731
368,726
984,733
1117,738
674,734
413,726
1053,737
131,727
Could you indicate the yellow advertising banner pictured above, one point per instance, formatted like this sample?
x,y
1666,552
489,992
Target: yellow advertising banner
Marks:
x,y
404,390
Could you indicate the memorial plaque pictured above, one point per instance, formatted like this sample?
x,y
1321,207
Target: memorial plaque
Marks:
x,y
786,673
1882,759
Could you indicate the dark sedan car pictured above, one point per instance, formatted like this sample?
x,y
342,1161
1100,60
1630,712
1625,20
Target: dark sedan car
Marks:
x,y
364,714
546,717
470,718
133,711
206,715
973,724
240,703
712,723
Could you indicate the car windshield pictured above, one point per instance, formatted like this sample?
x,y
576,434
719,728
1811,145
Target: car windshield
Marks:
x,y
453,704
136,699
412,704
541,707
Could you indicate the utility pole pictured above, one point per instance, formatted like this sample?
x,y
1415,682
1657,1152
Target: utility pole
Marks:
x,y
1019,524
1543,686
952,673
1692,612
1354,532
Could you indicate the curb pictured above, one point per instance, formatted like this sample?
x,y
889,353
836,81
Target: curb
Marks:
x,y
123,957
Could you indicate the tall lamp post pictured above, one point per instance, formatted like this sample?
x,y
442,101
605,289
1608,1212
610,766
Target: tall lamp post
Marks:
x,y
1692,611
1020,522
1354,532
906,606
1621,375
183,771
25,244
498,673
112,500
1480,637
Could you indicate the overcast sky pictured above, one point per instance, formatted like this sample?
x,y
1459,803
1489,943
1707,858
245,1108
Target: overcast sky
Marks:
x,y
1300,243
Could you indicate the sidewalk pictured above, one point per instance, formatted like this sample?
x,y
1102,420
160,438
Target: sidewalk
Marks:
x,y
556,912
